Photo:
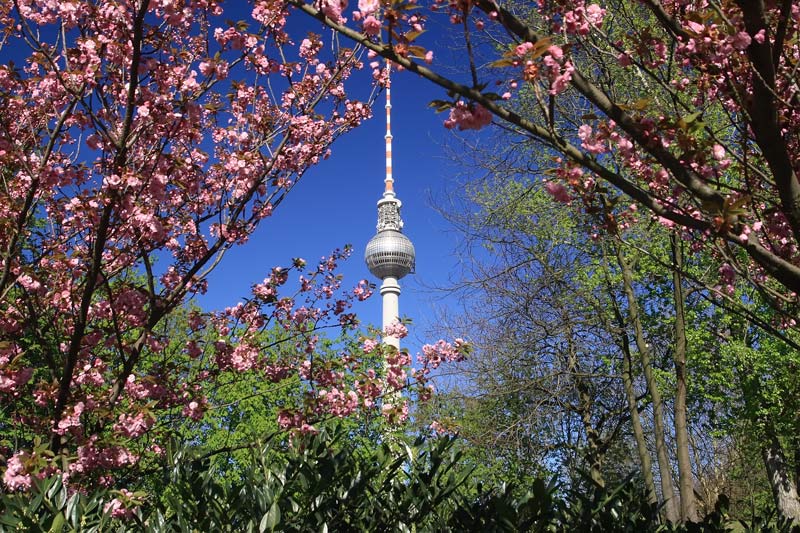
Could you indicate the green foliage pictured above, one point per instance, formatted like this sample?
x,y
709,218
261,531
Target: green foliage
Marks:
x,y
328,482
51,507
314,483
243,407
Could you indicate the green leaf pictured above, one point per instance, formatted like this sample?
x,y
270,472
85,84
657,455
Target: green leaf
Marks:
x,y
9,520
412,35
270,520
72,510
440,105
58,523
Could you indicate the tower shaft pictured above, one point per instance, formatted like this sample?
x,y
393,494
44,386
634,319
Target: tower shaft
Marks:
x,y
390,296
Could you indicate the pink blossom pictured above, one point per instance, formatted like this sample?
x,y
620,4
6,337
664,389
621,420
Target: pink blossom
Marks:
x,y
123,506
744,236
433,355
363,290
558,192
595,14
71,422
308,50
741,40
695,26
561,81
395,413
555,52
194,409
468,117
438,429
12,380
15,477
589,141
368,7
523,48
29,283
133,426
244,357
727,276
396,329
372,26
333,9
369,345
288,419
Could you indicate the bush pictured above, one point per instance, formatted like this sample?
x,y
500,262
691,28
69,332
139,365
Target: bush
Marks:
x,y
327,482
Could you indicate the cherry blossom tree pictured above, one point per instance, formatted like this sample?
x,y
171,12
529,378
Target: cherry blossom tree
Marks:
x,y
139,142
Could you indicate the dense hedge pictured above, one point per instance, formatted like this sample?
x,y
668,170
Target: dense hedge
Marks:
x,y
327,482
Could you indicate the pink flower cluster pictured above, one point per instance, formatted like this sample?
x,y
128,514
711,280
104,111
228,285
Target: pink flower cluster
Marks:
x,y
94,456
395,413
333,9
124,505
580,19
396,364
133,426
433,355
11,381
16,477
336,402
396,329
558,192
560,70
468,116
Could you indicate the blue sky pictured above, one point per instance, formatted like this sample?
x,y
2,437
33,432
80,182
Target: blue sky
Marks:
x,y
335,204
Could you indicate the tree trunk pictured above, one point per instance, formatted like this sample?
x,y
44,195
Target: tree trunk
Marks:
x,y
638,432
664,468
685,478
784,490
633,407
796,445
593,453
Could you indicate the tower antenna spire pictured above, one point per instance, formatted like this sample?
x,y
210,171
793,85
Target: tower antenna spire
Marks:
x,y
389,180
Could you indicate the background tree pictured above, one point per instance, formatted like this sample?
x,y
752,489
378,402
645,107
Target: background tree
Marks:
x,y
529,257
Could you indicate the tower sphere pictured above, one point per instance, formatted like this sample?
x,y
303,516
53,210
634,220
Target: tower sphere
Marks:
x,y
390,254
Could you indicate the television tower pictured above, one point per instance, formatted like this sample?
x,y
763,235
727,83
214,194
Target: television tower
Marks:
x,y
389,254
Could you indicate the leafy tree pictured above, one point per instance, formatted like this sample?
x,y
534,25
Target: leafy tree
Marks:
x,y
542,383
537,262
